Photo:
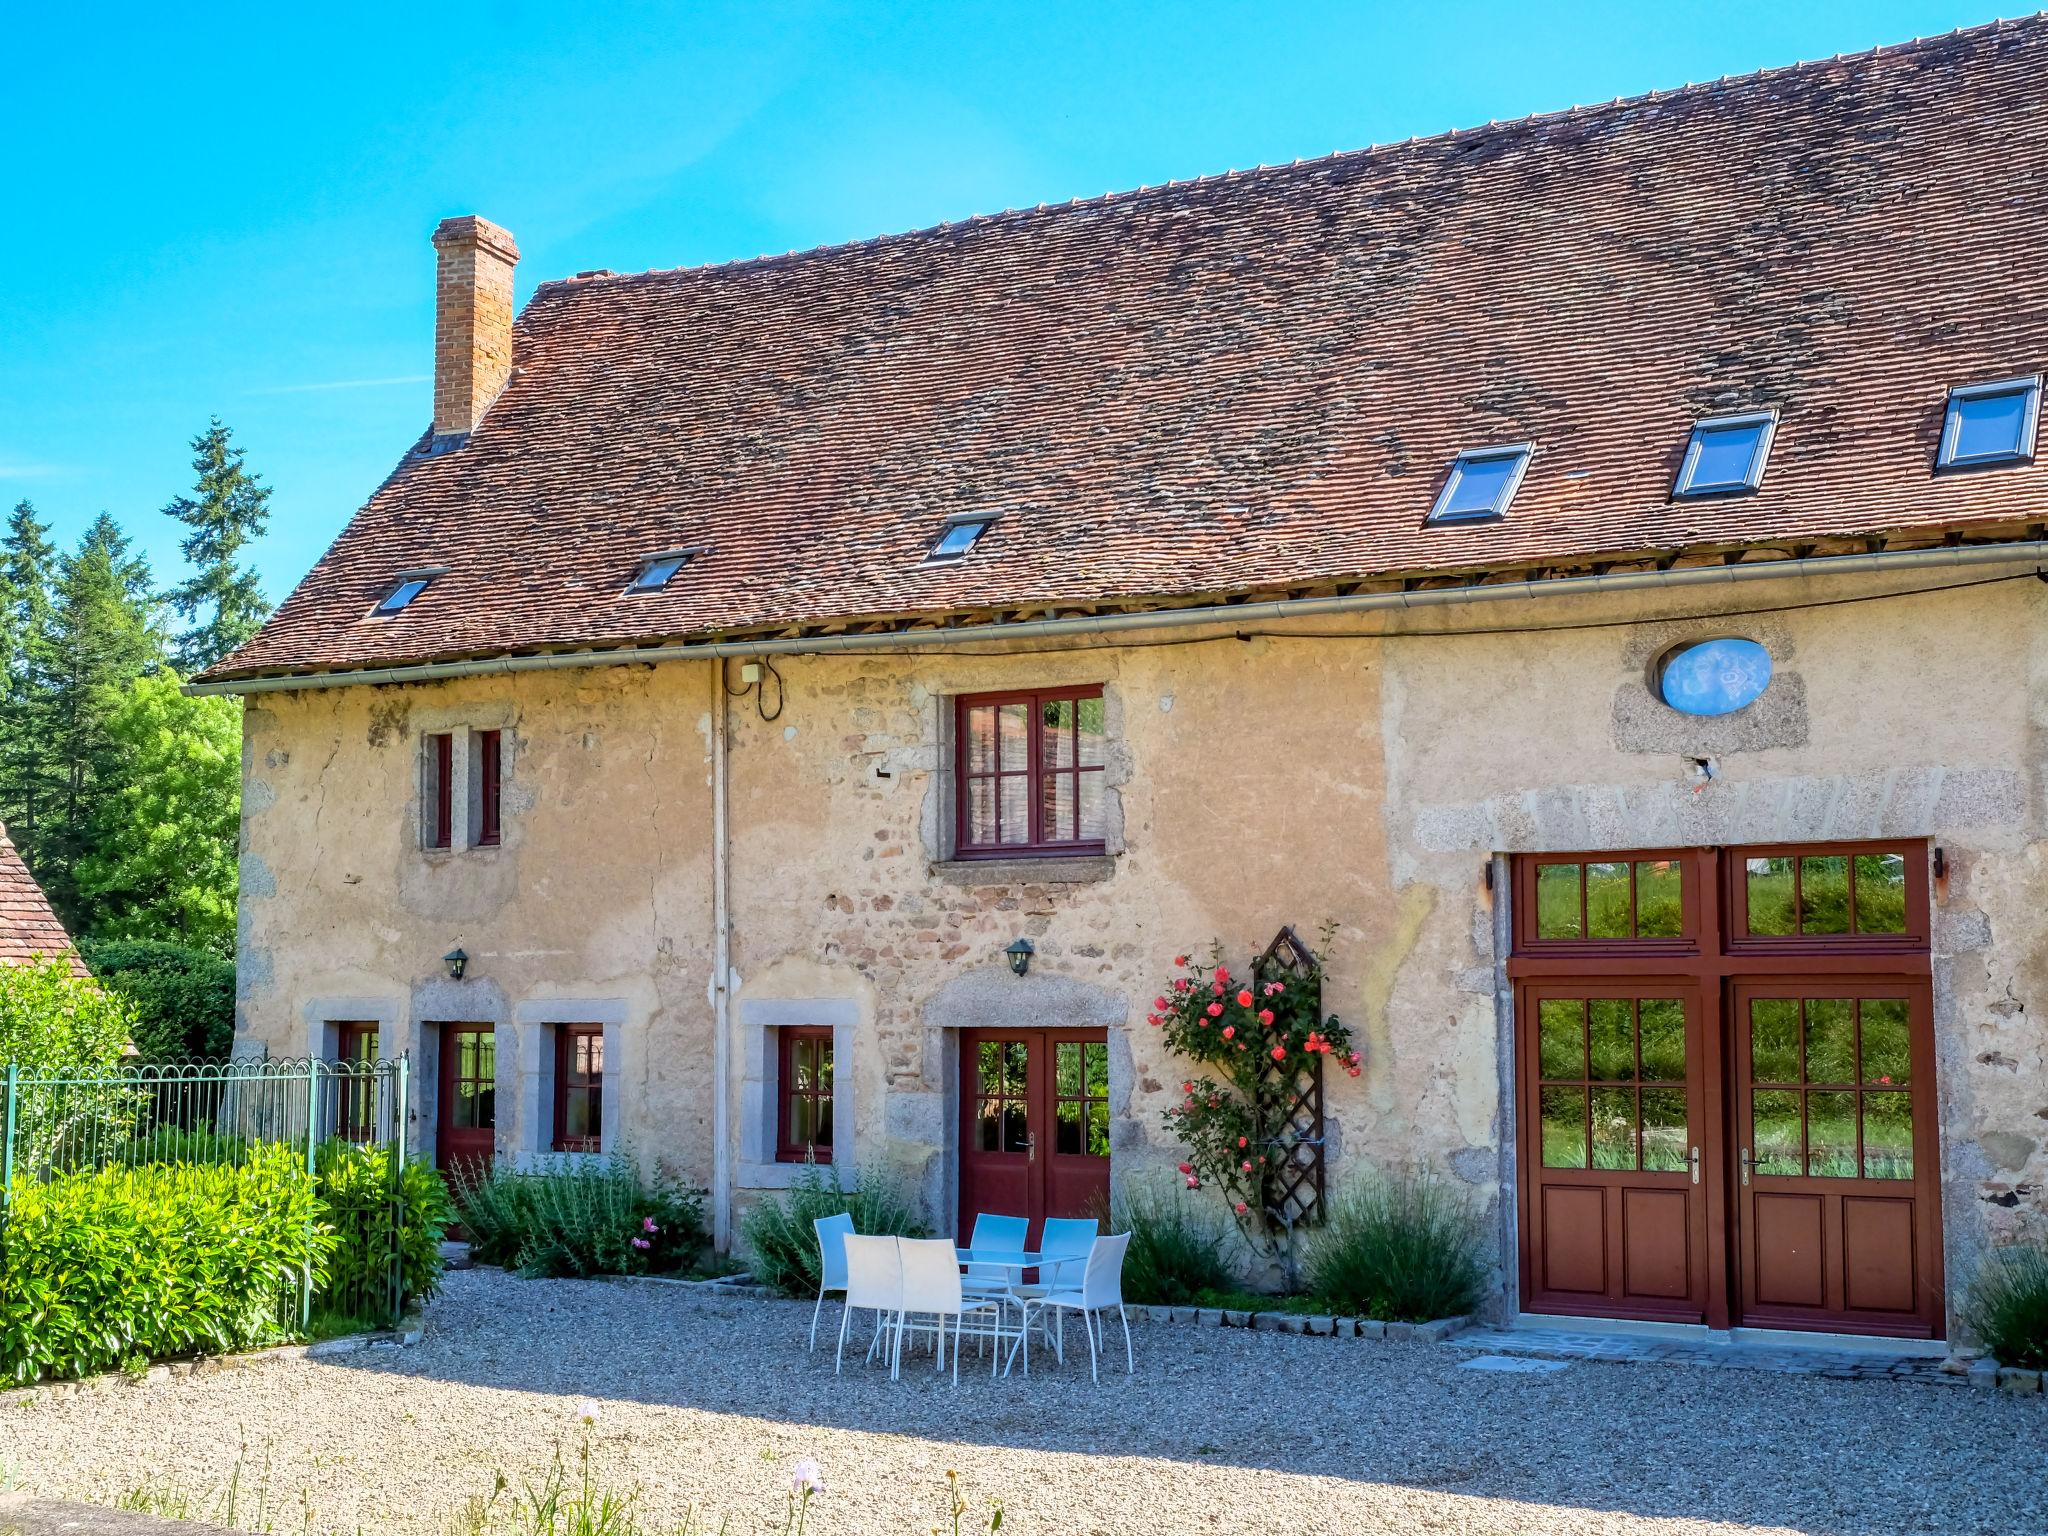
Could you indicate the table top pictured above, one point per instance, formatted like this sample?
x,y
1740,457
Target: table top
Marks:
x,y
1010,1258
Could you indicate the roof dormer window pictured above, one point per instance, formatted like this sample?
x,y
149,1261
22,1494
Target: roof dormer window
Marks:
x,y
1726,454
1483,481
409,585
1990,423
962,532
657,569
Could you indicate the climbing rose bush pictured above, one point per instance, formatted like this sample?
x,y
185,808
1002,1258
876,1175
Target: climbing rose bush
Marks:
x,y
1252,1037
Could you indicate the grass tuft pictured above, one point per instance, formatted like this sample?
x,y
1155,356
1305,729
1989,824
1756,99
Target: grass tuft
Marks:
x,y
1399,1248
2007,1306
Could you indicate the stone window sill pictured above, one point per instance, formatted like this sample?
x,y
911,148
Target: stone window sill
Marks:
x,y
1074,871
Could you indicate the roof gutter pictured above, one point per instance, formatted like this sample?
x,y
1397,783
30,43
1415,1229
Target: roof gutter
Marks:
x,y
1879,562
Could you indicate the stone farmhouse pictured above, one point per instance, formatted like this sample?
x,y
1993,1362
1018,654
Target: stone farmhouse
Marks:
x,y
1592,560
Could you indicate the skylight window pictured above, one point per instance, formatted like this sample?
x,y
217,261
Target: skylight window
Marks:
x,y
962,532
408,586
1483,481
1990,423
1727,453
656,570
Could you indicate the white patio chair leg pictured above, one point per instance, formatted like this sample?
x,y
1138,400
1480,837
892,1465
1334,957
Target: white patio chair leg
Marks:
x,y
959,1318
881,1333
1087,1323
820,1307
1130,1360
839,1354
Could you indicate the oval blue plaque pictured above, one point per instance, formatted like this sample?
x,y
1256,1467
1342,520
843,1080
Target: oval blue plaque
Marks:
x,y
1714,677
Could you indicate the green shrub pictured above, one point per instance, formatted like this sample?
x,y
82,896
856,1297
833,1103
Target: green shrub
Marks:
x,y
354,1183
2007,1306
595,1216
782,1243
1177,1243
183,999
99,1268
1401,1248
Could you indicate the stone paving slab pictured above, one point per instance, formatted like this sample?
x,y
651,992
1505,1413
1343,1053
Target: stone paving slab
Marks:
x,y
1791,1360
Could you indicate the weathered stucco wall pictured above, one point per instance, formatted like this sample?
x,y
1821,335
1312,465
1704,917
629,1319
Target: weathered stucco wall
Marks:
x,y
1256,782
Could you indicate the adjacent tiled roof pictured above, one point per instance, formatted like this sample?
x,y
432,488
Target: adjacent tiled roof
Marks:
x,y
28,928
1257,381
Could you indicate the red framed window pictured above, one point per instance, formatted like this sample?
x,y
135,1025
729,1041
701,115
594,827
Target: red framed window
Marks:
x,y
1845,896
488,789
355,1097
1029,771
579,1087
437,791
804,1117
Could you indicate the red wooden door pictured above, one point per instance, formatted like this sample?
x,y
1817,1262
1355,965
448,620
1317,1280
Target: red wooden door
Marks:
x,y
1836,1136
467,1125
1617,1141
1034,1127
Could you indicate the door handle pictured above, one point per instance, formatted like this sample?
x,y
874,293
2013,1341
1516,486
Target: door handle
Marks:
x,y
1745,1167
1031,1146
1695,1165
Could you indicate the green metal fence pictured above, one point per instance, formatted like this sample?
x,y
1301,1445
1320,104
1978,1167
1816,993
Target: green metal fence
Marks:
x,y
347,1118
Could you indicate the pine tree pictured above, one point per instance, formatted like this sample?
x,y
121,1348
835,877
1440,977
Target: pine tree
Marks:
x,y
103,635
28,780
222,603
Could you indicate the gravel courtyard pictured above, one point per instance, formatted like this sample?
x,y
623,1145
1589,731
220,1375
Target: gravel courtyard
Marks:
x,y
708,1402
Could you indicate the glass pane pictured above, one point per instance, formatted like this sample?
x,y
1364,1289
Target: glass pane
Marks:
x,y
486,1056
1607,901
1614,1040
1480,485
981,811
821,1130
590,1055
1660,899
467,1049
581,1114
1830,1040
799,1120
1013,811
1990,426
1067,1127
1663,1032
1831,1135
1770,896
802,1071
1016,1128
1561,1038
988,1069
1887,1044
1880,893
1614,1128
822,1065
1665,1145
1557,901
1824,895
1013,727
1775,1126
1091,807
1774,1040
1564,1127
991,1125
463,1112
1725,456
1096,1055
486,1111
1098,1129
1056,794
981,739
1887,1135
1066,1059
1092,727
1056,733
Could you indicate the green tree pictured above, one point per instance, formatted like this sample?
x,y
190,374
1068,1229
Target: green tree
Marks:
x,y
161,857
103,636
222,602
54,1021
183,998
28,777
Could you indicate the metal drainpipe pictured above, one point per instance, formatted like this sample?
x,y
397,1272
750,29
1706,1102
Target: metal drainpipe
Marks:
x,y
1223,616
721,1002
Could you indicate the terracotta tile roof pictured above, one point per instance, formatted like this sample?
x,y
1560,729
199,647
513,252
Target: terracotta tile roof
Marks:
x,y
28,928
1258,381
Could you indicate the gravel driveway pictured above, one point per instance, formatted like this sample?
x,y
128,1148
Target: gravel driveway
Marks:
x,y
709,1401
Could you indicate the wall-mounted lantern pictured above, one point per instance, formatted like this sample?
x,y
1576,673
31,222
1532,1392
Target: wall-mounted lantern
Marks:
x,y
1020,954
457,962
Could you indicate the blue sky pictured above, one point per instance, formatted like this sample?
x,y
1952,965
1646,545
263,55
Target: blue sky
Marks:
x,y
213,209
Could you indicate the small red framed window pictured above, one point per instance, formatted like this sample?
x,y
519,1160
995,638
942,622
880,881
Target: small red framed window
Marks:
x,y
488,787
579,1088
355,1098
1845,896
804,1116
1029,770
437,790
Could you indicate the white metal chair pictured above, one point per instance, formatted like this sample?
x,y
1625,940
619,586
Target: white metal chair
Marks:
x,y
874,1282
931,1287
1003,1234
833,1232
1101,1288
1066,1238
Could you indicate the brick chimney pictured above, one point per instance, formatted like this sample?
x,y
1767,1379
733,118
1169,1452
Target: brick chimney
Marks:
x,y
472,322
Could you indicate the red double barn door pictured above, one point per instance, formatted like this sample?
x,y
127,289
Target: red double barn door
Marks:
x,y
1034,1124
1724,1064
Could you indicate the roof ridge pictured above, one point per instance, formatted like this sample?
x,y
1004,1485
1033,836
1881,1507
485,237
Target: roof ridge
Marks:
x,y
1448,135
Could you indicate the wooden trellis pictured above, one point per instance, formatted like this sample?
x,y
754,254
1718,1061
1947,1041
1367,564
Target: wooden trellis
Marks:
x,y
1290,1103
